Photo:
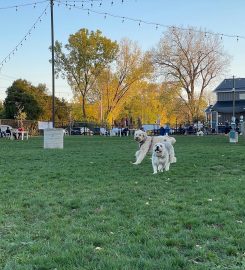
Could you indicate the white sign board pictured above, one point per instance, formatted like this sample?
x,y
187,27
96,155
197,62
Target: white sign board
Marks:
x,y
54,138
44,125
233,136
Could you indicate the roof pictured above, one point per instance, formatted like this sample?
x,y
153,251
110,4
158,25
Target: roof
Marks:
x,y
209,109
227,85
227,106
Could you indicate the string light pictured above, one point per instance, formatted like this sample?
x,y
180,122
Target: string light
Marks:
x,y
8,57
16,7
155,24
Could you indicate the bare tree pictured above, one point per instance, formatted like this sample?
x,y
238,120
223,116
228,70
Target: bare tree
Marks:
x,y
194,59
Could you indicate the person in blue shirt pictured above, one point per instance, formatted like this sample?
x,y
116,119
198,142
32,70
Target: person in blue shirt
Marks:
x,y
162,131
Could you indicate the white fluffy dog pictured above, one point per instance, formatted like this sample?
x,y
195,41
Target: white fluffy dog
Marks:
x,y
146,144
162,156
200,133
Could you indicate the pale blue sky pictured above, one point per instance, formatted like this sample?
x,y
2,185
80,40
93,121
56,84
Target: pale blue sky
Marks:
x,y
31,61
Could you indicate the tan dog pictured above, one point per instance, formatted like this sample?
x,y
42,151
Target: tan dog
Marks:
x,y
146,144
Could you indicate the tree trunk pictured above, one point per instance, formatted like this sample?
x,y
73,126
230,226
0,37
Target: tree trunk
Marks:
x,y
83,108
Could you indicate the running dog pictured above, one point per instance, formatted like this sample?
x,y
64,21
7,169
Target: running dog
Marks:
x,y
146,144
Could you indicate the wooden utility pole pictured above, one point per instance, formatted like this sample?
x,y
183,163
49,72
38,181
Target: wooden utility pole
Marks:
x,y
52,49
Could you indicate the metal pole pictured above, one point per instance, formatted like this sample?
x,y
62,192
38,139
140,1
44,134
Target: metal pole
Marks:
x,y
234,98
52,46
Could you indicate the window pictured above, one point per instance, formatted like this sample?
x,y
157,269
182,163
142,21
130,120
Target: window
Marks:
x,y
242,96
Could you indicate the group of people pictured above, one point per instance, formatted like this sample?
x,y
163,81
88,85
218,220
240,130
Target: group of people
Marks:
x,y
7,133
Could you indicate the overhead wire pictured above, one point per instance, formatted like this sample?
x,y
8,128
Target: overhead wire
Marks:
x,y
34,4
28,33
141,21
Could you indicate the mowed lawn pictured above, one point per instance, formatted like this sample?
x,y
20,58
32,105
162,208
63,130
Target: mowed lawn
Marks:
x,y
88,207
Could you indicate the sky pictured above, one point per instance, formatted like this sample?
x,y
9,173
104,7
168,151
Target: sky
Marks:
x,y
31,60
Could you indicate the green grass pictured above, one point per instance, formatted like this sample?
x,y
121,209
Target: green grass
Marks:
x,y
87,207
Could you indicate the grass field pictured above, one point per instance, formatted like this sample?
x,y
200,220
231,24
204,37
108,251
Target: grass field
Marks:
x,y
87,207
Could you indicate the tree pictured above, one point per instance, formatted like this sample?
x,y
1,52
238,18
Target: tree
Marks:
x,y
155,102
87,55
127,74
192,58
2,112
20,115
19,96
33,103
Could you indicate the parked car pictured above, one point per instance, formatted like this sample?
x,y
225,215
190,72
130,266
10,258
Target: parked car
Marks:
x,y
81,131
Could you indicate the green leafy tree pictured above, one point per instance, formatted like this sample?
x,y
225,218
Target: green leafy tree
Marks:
x,y
84,58
20,95
34,102
2,111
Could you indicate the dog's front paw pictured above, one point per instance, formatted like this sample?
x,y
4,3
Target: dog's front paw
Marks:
x,y
155,173
135,163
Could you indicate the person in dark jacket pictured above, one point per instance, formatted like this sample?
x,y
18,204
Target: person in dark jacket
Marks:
x,y
162,131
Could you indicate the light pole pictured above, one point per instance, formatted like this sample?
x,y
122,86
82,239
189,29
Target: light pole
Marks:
x,y
233,119
52,49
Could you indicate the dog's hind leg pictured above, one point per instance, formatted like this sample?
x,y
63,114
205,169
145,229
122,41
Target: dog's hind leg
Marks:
x,y
172,158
